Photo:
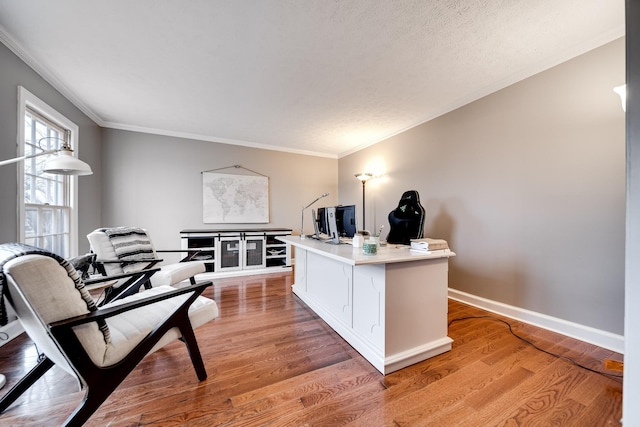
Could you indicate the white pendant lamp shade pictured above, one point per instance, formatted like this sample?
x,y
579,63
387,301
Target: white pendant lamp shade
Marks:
x,y
66,164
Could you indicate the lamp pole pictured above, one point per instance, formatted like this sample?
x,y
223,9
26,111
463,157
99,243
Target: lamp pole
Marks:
x,y
364,183
364,177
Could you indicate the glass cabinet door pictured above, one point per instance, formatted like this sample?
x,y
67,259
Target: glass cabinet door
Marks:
x,y
229,254
254,251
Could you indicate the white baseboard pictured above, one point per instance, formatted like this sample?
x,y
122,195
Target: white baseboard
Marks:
x,y
584,333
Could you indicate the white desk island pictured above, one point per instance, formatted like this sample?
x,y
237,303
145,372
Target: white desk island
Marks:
x,y
391,307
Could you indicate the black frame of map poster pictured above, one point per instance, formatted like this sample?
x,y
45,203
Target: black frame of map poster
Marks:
x,y
234,198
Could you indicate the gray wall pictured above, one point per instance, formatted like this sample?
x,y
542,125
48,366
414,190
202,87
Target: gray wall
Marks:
x,y
13,73
155,182
527,185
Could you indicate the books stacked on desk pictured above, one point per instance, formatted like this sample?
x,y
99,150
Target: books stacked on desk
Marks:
x,y
427,244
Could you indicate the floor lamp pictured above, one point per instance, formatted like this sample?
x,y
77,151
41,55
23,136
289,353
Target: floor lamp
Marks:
x,y
622,92
364,177
62,164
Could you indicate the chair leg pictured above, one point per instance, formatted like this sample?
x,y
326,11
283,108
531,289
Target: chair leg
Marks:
x,y
189,339
27,381
101,386
93,398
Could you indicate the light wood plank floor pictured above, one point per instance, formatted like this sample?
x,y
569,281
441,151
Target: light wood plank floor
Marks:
x,y
272,361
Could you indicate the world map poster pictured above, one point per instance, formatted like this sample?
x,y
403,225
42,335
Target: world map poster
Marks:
x,y
228,198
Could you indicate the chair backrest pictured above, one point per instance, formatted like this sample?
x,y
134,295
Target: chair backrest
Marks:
x,y
407,220
121,244
42,291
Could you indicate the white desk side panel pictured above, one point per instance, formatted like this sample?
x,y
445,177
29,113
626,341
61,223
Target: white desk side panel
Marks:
x,y
369,304
416,311
300,271
329,283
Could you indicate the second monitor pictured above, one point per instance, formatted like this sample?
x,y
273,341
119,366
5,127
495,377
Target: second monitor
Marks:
x,y
345,220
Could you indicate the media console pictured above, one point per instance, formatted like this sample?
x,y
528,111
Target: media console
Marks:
x,y
239,252
391,307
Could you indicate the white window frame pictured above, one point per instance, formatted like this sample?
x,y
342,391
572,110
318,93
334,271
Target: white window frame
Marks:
x,y
27,99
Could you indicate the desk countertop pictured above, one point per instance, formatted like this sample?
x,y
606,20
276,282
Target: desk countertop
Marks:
x,y
346,253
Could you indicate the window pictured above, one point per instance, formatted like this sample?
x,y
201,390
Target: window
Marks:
x,y
47,202
46,196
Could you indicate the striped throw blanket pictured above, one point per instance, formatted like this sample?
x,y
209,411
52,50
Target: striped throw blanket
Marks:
x,y
131,246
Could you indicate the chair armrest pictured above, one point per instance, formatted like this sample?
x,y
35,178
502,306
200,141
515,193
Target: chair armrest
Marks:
x,y
191,253
100,279
104,313
132,282
101,263
125,262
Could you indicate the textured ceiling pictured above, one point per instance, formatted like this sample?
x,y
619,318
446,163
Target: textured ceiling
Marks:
x,y
322,77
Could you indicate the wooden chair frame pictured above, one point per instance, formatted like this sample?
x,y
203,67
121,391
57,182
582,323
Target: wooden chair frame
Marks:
x,y
100,382
135,281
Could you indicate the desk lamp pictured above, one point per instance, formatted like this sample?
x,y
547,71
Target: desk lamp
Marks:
x,y
302,236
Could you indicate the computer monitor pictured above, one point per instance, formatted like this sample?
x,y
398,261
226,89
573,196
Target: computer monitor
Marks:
x,y
316,231
346,220
332,225
321,219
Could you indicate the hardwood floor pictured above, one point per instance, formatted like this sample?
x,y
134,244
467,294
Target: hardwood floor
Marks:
x,y
272,361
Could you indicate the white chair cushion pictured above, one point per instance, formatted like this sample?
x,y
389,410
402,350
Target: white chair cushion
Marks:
x,y
125,336
175,273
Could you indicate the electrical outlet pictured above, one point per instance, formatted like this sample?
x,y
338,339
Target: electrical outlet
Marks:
x,y
613,365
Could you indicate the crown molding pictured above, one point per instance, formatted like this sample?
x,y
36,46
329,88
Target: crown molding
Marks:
x,y
39,69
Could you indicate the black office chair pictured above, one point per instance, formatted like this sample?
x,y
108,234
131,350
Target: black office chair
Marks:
x,y
407,220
